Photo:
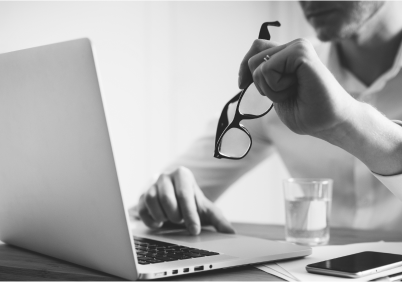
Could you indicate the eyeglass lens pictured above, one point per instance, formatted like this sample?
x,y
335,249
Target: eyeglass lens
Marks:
x,y
253,102
235,142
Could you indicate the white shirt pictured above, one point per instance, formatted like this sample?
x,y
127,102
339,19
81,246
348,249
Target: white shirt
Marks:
x,y
360,199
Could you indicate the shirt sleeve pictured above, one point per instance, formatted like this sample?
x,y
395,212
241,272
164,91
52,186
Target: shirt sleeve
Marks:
x,y
213,175
394,182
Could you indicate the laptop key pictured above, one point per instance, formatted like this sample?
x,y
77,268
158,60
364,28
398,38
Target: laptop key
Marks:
x,y
193,255
148,259
143,262
196,250
155,261
139,243
210,253
178,256
166,258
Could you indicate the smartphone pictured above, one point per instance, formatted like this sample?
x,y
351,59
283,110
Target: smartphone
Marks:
x,y
356,265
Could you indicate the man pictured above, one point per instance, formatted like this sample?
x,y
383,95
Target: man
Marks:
x,y
323,126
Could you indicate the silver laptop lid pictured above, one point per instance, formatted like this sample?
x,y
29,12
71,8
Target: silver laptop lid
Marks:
x,y
59,189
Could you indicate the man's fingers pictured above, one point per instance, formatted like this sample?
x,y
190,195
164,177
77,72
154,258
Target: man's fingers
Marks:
x,y
245,75
276,77
177,198
258,58
167,198
183,182
218,221
153,205
146,217
212,214
276,93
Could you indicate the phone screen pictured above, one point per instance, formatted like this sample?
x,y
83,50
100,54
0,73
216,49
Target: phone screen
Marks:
x,y
358,262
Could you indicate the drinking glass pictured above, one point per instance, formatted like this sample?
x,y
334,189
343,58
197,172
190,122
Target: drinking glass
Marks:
x,y
308,210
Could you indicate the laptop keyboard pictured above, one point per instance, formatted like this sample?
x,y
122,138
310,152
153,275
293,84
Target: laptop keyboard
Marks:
x,y
152,251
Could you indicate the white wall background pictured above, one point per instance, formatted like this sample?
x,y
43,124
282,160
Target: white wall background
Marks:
x,y
165,69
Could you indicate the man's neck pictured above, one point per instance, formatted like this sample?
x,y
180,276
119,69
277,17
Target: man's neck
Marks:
x,y
372,51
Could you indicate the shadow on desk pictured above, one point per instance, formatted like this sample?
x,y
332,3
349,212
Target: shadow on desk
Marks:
x,y
20,264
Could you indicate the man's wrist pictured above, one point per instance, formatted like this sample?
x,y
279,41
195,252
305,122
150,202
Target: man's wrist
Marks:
x,y
341,133
371,137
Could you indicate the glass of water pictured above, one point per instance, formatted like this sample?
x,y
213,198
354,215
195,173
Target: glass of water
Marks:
x,y
308,210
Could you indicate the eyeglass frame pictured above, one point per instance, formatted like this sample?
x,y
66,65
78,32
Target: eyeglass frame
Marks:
x,y
238,117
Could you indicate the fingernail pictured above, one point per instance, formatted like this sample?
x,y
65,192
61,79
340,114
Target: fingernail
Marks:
x,y
157,225
194,229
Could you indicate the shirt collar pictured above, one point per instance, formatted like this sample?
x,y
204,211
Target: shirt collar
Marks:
x,y
351,83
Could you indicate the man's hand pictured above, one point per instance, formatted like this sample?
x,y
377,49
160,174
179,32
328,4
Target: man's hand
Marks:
x,y
309,100
176,197
306,96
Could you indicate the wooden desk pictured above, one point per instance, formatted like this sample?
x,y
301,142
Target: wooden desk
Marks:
x,y
19,264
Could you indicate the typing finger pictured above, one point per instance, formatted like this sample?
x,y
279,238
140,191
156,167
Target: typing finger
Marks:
x,y
219,221
146,217
212,214
153,205
184,187
167,198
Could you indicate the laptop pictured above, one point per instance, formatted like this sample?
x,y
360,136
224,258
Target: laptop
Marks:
x,y
60,193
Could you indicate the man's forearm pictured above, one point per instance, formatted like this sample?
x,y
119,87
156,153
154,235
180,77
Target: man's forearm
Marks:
x,y
372,138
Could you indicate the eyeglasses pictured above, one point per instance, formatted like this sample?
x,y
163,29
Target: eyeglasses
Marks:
x,y
233,141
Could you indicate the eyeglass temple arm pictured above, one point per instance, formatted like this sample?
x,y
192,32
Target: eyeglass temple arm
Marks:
x,y
264,32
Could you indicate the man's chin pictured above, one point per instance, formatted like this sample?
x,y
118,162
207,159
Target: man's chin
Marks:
x,y
325,34
324,37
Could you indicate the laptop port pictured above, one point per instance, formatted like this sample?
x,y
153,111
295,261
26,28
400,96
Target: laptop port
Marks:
x,y
186,270
160,274
175,271
198,268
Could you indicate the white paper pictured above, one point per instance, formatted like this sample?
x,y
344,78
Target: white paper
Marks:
x,y
279,269
269,269
297,267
